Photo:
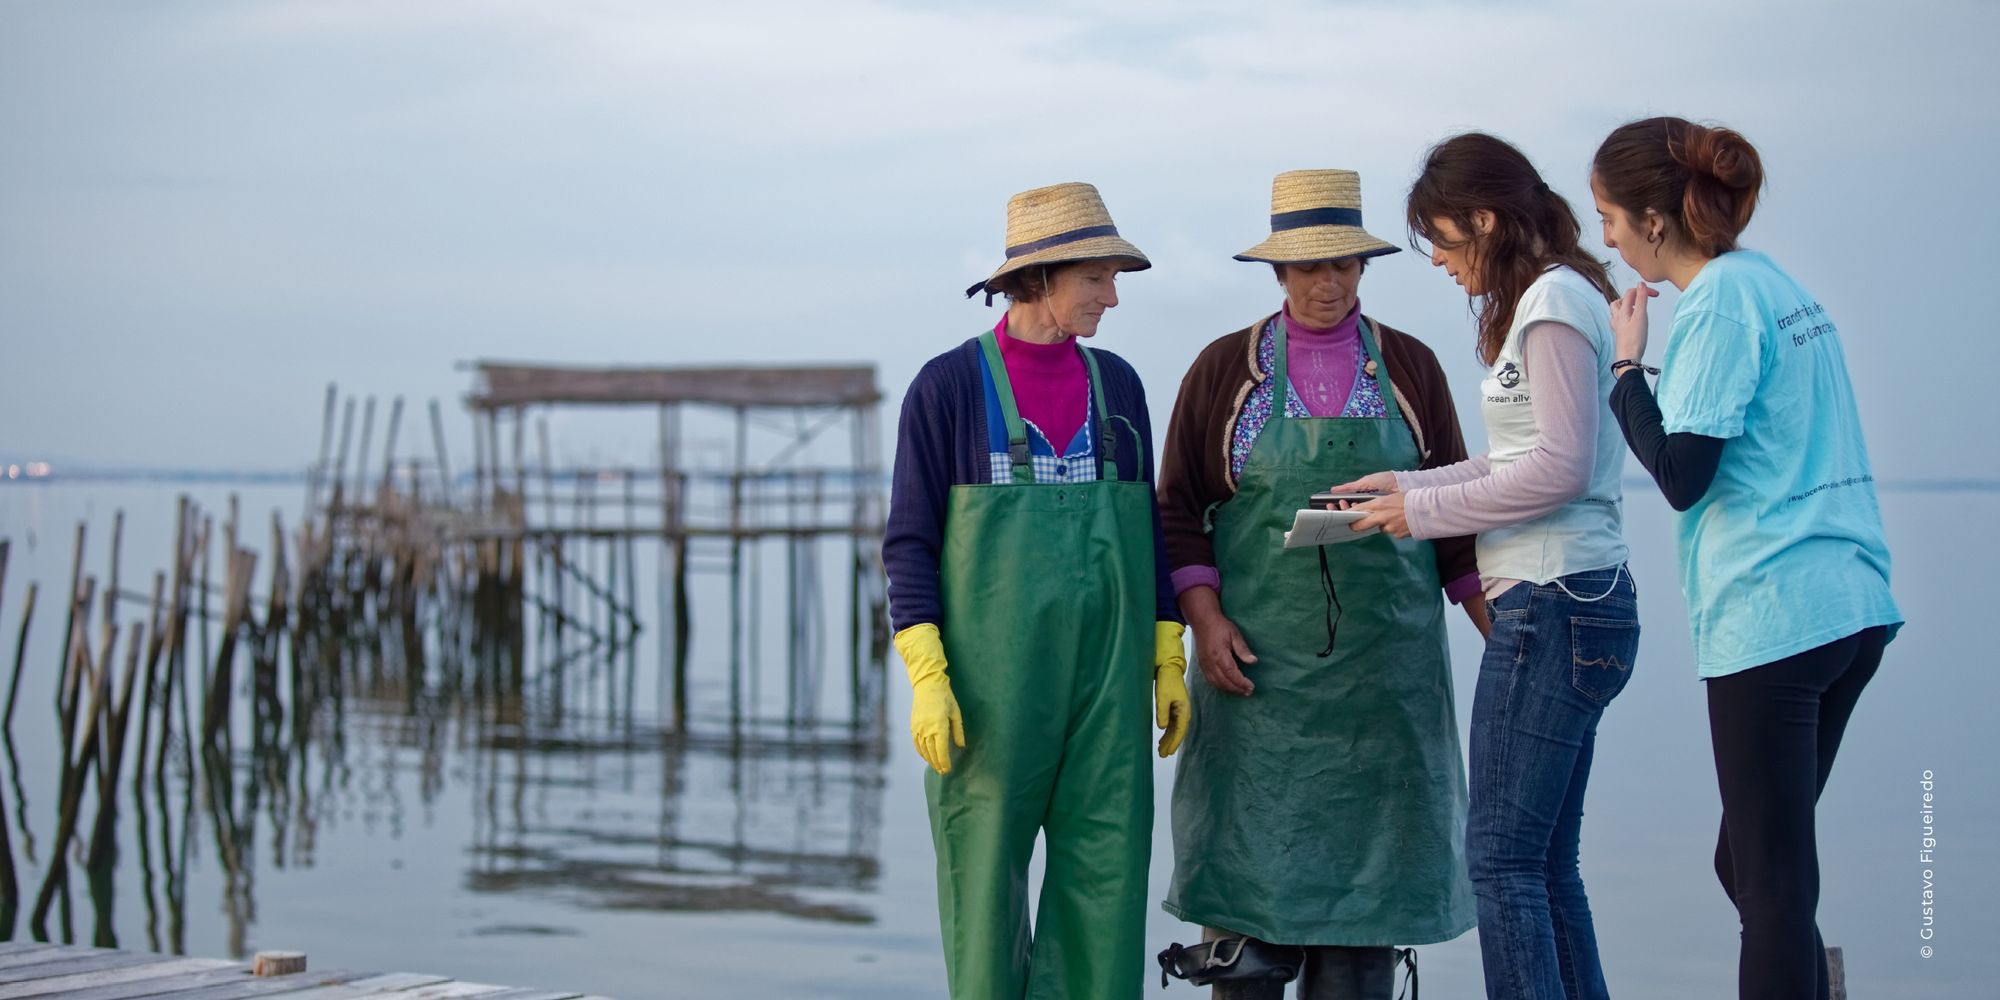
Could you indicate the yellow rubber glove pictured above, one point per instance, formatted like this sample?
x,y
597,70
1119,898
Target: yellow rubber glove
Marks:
x,y
933,711
1170,693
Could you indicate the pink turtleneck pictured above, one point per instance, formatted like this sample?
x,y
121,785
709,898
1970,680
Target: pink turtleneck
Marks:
x,y
1051,387
1320,362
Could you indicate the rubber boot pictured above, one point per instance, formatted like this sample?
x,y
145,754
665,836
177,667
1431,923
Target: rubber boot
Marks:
x,y
1249,989
1334,972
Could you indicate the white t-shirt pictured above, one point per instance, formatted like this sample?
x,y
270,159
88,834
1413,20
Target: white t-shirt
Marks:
x,y
1586,533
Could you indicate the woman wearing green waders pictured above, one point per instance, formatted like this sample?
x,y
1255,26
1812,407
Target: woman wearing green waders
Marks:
x,y
1028,585
1319,811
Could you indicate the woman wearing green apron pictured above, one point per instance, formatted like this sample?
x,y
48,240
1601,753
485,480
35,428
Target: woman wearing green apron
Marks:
x,y
1321,801
1028,587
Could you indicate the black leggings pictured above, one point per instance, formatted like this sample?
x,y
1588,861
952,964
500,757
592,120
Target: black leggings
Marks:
x,y
1776,729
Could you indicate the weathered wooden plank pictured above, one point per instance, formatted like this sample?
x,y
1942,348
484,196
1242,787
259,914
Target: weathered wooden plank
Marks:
x,y
90,961
38,952
449,991
16,947
530,993
126,974
373,986
64,972
257,986
188,985
156,986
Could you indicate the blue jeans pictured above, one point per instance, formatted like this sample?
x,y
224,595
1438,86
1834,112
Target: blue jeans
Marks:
x,y
1555,659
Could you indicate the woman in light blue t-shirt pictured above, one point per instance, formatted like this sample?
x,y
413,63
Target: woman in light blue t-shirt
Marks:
x,y
1755,440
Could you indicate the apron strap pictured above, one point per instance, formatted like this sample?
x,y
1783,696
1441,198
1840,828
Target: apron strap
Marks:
x,y
1281,379
1017,430
1382,380
1394,403
1108,438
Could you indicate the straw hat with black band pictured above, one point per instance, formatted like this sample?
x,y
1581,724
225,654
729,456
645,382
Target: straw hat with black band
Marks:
x,y
1060,224
1316,216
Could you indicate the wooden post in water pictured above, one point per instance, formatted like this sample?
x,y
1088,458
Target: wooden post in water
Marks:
x,y
318,474
676,540
443,463
1836,974
63,689
340,466
389,453
367,445
71,788
10,885
20,651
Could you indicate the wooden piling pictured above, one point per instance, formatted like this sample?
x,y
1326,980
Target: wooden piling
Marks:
x,y
20,653
69,631
437,446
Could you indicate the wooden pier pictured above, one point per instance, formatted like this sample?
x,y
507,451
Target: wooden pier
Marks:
x,y
60,972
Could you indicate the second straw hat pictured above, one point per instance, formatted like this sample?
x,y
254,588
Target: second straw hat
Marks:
x,y
1059,224
1316,215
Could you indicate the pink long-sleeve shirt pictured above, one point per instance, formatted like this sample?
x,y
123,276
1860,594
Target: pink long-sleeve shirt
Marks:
x,y
1320,366
1051,386
1468,497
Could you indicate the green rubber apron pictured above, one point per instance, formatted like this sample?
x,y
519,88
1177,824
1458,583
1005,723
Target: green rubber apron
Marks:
x,y
1049,603
1327,807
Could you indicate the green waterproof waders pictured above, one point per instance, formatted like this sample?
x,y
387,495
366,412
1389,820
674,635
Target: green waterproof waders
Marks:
x,y
1049,603
1328,806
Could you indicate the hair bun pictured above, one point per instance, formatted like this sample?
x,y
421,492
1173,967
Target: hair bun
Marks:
x,y
1724,155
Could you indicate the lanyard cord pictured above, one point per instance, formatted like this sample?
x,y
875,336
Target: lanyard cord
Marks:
x,y
1589,600
1408,956
1332,604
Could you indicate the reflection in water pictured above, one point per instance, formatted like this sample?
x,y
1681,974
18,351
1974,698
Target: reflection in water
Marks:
x,y
242,703
659,823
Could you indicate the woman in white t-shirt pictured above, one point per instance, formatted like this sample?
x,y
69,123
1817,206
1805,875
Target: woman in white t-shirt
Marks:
x,y
1545,503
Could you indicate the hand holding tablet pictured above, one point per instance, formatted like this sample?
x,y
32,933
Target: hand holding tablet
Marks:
x,y
1325,527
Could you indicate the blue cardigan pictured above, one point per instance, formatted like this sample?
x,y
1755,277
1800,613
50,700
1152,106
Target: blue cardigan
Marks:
x,y
941,442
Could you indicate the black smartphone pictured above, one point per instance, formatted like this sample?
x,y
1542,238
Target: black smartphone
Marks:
x,y
1329,497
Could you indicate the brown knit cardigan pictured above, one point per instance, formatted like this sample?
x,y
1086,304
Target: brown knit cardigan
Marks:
x,y
1194,468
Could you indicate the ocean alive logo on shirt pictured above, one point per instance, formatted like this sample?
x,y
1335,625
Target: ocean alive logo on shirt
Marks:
x,y
1801,315
1508,376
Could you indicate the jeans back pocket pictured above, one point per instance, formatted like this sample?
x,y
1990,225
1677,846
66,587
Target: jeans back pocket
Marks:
x,y
1602,651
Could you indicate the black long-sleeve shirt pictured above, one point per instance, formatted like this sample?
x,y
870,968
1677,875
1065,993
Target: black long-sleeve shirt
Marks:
x,y
1683,464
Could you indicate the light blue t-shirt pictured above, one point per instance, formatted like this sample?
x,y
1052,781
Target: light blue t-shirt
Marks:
x,y
1785,552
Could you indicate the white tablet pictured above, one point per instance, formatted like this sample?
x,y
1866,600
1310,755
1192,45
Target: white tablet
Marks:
x,y
1325,527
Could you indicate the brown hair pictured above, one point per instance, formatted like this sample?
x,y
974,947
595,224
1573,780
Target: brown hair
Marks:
x,y
1533,227
1703,180
1027,284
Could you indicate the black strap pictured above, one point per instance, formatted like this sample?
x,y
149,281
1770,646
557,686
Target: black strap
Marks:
x,y
1408,956
1332,604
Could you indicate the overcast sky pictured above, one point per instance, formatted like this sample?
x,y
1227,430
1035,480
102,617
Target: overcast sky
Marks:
x,y
208,210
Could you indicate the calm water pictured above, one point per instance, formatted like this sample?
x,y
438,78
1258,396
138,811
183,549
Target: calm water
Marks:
x,y
599,857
